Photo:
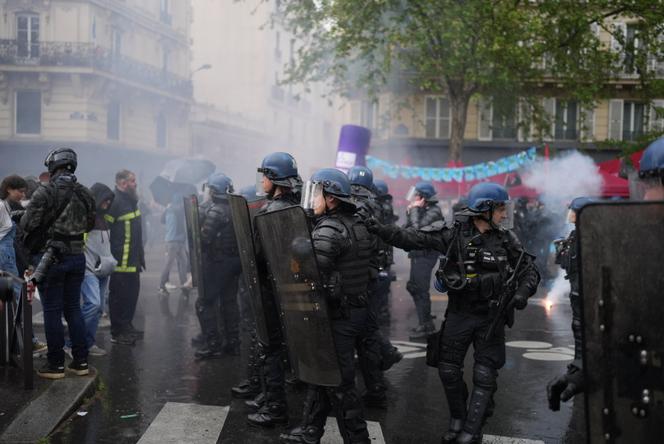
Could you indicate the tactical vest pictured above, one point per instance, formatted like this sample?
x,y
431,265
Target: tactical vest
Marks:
x,y
224,243
353,264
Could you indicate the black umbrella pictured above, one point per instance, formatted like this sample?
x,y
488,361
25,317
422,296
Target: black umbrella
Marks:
x,y
163,190
187,170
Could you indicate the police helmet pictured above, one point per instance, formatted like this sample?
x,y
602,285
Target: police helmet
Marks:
x,y
652,162
248,192
281,169
580,202
219,184
425,189
485,196
61,158
334,182
381,187
361,180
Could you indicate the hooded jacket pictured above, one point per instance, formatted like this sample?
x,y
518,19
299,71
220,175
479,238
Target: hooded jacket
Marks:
x,y
98,258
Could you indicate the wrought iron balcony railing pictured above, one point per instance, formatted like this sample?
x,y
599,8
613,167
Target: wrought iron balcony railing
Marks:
x,y
76,54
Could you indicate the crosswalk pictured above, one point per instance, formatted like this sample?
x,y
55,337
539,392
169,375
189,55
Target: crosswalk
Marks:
x,y
185,423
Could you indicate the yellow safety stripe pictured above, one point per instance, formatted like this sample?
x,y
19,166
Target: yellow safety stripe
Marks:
x,y
471,276
129,216
125,247
125,269
109,218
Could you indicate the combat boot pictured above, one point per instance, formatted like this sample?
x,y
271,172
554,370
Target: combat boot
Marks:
x,y
391,358
423,331
247,389
211,350
257,403
302,435
450,437
269,415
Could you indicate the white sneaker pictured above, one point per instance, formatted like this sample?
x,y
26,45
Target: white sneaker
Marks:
x,y
95,350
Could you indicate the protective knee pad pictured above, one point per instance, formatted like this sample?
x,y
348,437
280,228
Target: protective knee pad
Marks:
x,y
485,377
450,373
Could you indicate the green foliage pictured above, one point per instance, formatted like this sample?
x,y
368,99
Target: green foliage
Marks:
x,y
499,48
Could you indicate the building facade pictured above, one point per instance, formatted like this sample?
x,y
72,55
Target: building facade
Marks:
x,y
416,126
108,77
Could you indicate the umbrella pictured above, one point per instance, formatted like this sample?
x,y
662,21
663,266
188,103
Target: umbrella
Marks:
x,y
163,190
187,170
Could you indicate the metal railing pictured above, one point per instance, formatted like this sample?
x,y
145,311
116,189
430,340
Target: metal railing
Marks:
x,y
16,330
90,55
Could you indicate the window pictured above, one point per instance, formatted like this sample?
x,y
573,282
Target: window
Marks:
x,y
438,122
27,35
165,57
631,48
503,120
161,130
113,121
633,120
164,12
28,112
369,114
566,117
116,43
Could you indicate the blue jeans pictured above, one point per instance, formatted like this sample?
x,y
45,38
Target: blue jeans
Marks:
x,y
93,292
60,294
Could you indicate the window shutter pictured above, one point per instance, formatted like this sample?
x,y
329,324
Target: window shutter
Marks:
x,y
587,124
615,119
657,121
549,105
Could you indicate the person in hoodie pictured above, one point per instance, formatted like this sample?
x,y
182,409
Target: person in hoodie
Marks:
x,y
99,264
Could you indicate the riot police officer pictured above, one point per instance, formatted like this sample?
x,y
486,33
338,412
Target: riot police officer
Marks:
x,y
279,180
481,259
221,269
423,211
386,276
58,216
375,353
343,249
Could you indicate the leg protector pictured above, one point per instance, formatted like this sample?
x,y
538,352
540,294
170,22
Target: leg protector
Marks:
x,y
484,385
456,391
350,417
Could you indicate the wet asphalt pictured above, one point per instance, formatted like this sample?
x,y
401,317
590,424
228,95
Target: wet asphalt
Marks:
x,y
137,381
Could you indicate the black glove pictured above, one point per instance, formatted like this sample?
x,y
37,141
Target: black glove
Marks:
x,y
520,301
373,225
564,387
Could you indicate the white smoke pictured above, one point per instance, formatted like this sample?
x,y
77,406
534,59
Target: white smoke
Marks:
x,y
559,289
560,180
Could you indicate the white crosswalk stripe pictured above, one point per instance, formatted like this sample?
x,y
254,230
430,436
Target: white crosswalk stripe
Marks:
x,y
186,424
491,439
333,436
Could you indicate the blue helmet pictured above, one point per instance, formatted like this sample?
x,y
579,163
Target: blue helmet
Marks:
x,y
361,180
581,202
381,187
248,192
425,189
219,184
334,182
484,196
652,162
281,169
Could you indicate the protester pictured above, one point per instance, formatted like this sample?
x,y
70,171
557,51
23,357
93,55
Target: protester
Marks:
x,y
176,249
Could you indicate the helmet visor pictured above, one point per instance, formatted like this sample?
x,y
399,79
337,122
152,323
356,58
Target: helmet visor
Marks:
x,y
507,223
260,191
411,194
312,195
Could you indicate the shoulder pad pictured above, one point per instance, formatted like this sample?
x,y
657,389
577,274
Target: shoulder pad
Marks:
x,y
330,225
433,227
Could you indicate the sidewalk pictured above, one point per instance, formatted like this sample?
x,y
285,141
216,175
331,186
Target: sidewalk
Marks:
x,y
26,416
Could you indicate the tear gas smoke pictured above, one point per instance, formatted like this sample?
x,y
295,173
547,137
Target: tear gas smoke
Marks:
x,y
559,289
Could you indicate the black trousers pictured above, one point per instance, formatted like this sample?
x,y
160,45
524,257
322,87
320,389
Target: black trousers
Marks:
x,y
219,301
348,333
123,293
419,282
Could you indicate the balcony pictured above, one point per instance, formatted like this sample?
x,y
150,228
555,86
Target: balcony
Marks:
x,y
89,55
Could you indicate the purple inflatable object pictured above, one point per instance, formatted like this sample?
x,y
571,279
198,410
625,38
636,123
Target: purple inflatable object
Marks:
x,y
353,146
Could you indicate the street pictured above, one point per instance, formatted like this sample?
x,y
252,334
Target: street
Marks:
x,y
157,389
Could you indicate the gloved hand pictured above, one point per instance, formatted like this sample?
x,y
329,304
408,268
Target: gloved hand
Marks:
x,y
565,387
520,301
373,225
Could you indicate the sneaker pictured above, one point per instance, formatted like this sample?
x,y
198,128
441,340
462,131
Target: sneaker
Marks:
x,y
168,286
49,371
123,339
95,350
67,351
39,347
163,291
79,368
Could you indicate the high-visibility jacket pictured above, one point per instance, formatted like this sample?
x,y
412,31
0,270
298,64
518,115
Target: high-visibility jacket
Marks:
x,y
124,221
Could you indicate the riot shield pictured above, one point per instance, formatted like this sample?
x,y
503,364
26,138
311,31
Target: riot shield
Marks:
x,y
245,242
286,243
194,239
621,248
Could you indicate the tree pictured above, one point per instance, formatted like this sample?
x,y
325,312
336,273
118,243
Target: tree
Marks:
x,y
499,49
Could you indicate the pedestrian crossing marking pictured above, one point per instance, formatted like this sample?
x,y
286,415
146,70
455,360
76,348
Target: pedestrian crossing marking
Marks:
x,y
333,435
411,350
492,439
186,423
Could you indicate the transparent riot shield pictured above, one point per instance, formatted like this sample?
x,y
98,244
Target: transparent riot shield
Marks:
x,y
194,239
286,243
245,242
621,248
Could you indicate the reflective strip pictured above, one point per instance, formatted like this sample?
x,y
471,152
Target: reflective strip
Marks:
x,y
130,216
109,218
125,269
127,244
471,276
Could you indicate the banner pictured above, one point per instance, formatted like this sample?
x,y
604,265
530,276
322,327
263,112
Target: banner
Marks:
x,y
480,171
